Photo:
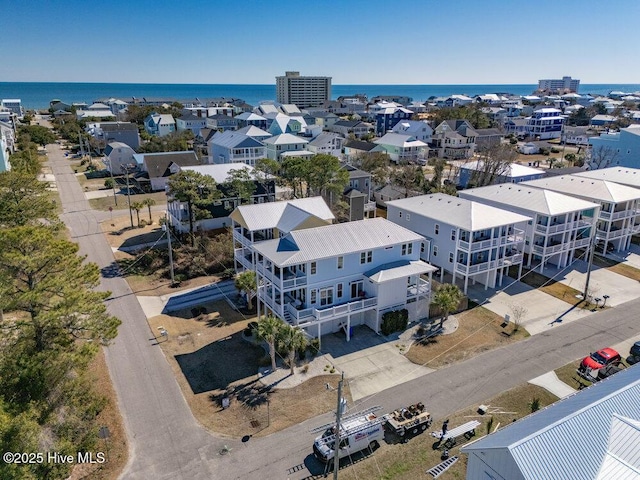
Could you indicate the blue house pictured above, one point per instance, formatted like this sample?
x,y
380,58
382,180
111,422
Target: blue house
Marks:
x,y
616,149
387,118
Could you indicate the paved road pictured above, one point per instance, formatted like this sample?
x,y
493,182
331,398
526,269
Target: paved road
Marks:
x,y
167,443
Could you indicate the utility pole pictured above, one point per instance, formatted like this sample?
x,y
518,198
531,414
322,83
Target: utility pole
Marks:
x,y
592,247
126,172
168,226
336,445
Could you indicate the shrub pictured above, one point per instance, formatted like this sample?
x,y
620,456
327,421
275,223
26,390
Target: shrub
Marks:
x,y
394,321
554,150
513,141
314,346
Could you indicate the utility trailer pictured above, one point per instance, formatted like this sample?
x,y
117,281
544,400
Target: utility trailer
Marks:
x,y
411,419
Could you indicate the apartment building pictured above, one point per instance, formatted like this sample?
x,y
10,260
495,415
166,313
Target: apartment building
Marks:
x,y
330,278
469,240
302,91
559,225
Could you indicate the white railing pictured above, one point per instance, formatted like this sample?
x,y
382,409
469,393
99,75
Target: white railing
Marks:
x,y
635,228
242,260
561,227
582,242
510,260
623,214
422,288
369,206
293,282
309,315
542,250
237,235
477,268
612,234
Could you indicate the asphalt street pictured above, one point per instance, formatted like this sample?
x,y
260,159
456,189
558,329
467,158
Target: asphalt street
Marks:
x,y
165,440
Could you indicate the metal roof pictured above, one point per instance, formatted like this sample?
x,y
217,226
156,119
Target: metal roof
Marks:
x,y
285,139
219,172
458,212
263,216
399,140
395,270
302,246
232,139
622,460
589,188
624,175
512,170
569,439
529,198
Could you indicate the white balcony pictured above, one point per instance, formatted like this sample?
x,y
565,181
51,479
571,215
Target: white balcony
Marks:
x,y
237,236
243,260
551,249
561,227
307,316
370,207
422,288
581,242
477,268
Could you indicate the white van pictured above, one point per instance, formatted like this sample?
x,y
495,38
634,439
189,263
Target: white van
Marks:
x,y
355,435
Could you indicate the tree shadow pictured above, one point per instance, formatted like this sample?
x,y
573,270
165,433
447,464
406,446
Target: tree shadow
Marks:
x,y
219,364
251,394
111,271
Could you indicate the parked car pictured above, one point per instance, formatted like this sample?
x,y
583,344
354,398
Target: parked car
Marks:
x,y
634,354
600,359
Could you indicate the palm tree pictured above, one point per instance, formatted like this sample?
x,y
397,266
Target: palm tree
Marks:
x,y
137,206
149,202
269,329
447,298
246,282
291,340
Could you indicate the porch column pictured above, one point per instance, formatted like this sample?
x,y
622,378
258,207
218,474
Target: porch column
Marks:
x,y
348,327
320,336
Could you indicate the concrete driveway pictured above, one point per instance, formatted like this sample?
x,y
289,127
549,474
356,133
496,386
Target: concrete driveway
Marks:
x,y
543,311
603,282
371,362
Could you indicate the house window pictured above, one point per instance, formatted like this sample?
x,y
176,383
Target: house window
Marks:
x,y
407,248
339,290
314,268
436,228
408,216
400,213
313,296
366,257
450,257
340,263
357,289
422,247
453,234
326,296
435,251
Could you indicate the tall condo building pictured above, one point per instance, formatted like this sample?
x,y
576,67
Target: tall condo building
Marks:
x,y
565,85
302,91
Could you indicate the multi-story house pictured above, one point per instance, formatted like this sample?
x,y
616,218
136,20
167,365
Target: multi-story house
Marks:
x,y
545,123
616,149
454,139
221,122
619,206
159,124
191,122
358,194
232,146
403,148
247,119
387,118
286,145
577,135
281,123
256,223
254,132
327,143
331,278
118,155
326,120
478,172
469,240
559,224
14,105
219,210
420,130
160,166
351,127
357,148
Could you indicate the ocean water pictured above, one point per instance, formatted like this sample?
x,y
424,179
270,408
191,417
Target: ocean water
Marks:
x,y
39,94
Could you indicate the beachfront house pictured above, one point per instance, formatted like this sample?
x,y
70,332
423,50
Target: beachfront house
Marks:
x,y
619,206
468,240
331,278
559,226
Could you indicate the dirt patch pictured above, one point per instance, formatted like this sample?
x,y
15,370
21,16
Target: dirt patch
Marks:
x,y
115,446
617,267
143,285
212,361
408,461
479,330
103,203
118,231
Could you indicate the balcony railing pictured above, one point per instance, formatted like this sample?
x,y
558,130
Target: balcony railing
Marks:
x,y
288,282
243,260
477,268
423,287
581,242
561,227
310,315
369,206
542,250
612,234
237,235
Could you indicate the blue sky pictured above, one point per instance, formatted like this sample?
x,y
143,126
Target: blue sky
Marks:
x,y
353,41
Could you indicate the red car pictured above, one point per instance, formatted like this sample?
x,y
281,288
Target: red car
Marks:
x,y
600,359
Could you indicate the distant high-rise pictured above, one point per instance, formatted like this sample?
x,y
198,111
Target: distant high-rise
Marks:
x,y
565,85
302,91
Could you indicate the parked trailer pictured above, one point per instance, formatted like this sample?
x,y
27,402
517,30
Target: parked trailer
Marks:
x,y
412,419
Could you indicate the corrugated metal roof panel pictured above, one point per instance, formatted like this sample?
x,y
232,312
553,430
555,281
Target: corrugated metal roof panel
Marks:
x,y
591,188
